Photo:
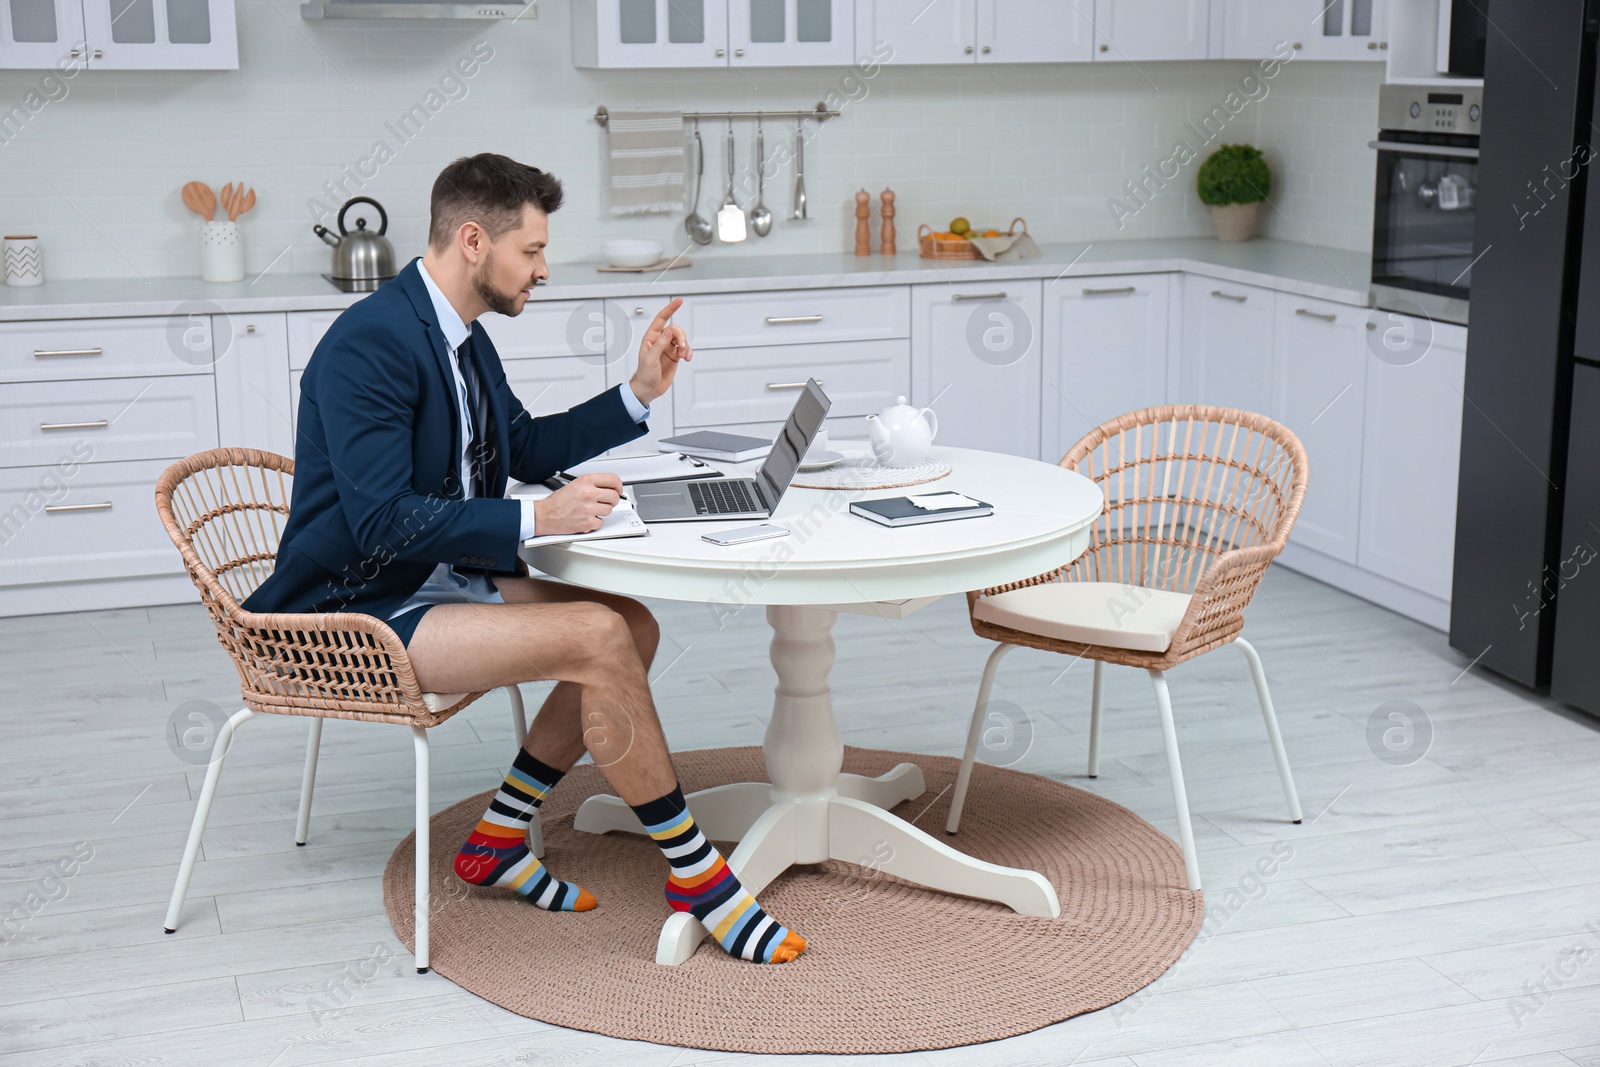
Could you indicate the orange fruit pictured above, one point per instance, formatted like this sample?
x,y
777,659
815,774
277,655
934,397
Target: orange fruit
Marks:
x,y
991,233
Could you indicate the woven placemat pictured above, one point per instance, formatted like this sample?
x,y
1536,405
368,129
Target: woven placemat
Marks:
x,y
863,471
890,967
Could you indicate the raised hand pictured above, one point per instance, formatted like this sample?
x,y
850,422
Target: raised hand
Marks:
x,y
664,345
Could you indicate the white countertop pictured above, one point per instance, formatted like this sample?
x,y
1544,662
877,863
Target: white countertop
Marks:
x,y
1328,274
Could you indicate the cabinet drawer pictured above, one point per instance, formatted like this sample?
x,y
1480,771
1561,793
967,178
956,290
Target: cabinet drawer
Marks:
x,y
738,385
104,348
76,521
793,317
116,418
555,328
305,330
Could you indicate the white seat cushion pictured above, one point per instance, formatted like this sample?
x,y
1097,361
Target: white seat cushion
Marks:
x,y
1090,613
439,701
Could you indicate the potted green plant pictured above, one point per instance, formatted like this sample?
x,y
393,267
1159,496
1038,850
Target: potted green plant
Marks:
x,y
1233,181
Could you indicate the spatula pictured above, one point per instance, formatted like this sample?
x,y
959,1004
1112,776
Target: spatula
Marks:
x,y
244,202
198,198
225,198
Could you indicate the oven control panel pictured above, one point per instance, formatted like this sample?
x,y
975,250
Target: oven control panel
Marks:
x,y
1430,109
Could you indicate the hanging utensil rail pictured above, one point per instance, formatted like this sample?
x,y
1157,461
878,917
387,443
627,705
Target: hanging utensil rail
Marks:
x,y
821,113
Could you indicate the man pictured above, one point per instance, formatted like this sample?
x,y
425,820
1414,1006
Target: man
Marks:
x,y
407,434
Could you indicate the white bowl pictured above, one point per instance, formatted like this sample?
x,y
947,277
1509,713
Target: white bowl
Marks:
x,y
630,252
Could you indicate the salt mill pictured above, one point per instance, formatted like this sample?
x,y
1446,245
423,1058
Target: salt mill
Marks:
x,y
863,234
886,209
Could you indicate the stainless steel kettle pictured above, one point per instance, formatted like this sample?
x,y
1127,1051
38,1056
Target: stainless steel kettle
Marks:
x,y
362,260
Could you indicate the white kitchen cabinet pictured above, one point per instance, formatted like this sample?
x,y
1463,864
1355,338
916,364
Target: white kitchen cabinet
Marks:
x,y
1228,348
1319,392
1412,450
119,34
1140,30
1315,29
790,33
1105,352
36,34
975,358
650,33
918,31
976,31
252,370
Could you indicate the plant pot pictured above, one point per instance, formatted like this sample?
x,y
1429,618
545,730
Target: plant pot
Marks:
x,y
1235,222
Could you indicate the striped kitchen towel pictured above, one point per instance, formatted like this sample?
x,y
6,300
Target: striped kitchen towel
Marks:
x,y
646,162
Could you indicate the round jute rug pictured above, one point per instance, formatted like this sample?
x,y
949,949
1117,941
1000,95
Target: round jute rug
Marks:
x,y
890,967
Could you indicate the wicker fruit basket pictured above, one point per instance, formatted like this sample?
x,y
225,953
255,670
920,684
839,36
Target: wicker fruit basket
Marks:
x,y
934,247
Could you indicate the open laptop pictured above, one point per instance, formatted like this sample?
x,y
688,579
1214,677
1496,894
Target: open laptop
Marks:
x,y
697,499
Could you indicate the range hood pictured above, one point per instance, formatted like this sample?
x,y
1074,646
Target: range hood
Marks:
x,y
416,9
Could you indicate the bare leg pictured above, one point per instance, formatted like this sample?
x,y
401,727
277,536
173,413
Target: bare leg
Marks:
x,y
461,647
556,735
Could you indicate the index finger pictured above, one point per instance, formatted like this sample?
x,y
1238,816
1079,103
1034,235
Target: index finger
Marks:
x,y
666,313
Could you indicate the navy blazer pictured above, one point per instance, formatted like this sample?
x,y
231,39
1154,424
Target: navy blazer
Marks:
x,y
378,500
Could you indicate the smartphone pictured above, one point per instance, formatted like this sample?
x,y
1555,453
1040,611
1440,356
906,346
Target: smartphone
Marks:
x,y
745,534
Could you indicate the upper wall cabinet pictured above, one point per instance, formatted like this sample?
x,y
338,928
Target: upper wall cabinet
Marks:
x,y
711,33
1136,31
975,31
118,34
1315,29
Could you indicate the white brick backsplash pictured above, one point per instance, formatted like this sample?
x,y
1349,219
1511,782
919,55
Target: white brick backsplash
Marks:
x,y
97,173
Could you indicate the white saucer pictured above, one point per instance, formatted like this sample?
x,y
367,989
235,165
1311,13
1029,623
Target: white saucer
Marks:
x,y
823,461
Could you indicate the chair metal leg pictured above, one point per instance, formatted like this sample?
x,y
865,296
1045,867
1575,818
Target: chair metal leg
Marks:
x,y
191,850
974,732
1094,722
419,737
1180,798
1271,717
519,719
302,825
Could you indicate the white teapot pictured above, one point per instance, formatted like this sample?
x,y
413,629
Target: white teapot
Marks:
x,y
902,435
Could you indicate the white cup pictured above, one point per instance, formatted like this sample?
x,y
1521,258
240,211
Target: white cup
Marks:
x,y
221,252
24,260
819,445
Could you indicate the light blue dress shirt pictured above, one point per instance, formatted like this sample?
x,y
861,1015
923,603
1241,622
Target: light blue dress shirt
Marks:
x,y
445,585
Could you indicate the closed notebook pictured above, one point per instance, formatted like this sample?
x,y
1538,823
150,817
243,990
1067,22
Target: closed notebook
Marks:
x,y
933,507
715,444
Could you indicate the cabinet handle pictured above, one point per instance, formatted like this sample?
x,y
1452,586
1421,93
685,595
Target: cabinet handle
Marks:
x,y
1316,315
720,53
738,51
251,328
1110,292
98,424
1105,48
1001,295
1220,295
1296,46
985,49
102,506
638,311
791,385
44,353
78,52
968,50
1372,46
780,320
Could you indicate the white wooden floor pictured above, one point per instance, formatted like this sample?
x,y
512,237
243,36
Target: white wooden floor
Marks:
x,y
1440,913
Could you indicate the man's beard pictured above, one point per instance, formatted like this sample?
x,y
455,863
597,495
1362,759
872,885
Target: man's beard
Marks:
x,y
492,297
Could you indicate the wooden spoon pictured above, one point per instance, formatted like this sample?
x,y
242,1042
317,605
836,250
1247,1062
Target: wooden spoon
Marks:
x,y
198,197
245,202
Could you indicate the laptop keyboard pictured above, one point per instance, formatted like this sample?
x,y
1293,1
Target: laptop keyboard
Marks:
x,y
719,497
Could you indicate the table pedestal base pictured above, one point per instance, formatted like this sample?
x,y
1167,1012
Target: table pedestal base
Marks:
x,y
812,812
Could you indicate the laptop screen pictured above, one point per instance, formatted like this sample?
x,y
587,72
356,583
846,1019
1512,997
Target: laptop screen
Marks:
x,y
793,440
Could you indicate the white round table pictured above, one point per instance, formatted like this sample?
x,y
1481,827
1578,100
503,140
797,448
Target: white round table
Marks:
x,y
834,561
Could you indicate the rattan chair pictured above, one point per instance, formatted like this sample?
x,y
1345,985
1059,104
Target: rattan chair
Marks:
x,y
1199,500
225,510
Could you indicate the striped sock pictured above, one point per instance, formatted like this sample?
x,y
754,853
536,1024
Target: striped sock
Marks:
x,y
704,885
496,853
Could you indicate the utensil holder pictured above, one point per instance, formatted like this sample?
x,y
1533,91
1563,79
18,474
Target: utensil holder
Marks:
x,y
24,260
221,252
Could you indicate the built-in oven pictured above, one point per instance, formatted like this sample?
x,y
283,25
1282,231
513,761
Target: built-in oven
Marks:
x,y
1426,199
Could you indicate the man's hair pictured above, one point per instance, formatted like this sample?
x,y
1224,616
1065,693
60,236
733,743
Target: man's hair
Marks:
x,y
491,190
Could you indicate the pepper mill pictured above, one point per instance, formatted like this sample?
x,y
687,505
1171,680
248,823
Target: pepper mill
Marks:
x,y
863,234
886,209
